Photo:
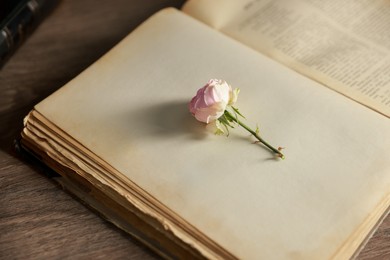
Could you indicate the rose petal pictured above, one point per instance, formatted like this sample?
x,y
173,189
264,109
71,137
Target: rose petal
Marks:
x,y
211,113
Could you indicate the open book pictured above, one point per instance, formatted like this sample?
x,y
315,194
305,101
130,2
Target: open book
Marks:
x,y
121,135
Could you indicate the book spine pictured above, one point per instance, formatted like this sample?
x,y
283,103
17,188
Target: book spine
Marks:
x,y
19,23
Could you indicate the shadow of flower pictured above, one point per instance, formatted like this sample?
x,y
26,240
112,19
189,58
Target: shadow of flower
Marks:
x,y
171,119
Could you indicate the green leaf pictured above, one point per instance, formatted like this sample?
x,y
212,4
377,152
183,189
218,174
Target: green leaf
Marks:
x,y
222,121
257,131
226,121
237,111
227,130
219,130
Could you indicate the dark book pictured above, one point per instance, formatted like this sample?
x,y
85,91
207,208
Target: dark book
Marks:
x,y
17,19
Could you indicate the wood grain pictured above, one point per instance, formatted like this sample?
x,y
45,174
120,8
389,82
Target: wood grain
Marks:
x,y
37,218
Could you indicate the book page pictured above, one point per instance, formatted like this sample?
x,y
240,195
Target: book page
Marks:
x,y
130,108
343,44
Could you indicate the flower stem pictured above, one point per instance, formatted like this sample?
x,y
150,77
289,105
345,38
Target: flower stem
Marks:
x,y
261,140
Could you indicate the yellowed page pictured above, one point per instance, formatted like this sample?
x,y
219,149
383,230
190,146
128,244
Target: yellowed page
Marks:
x,y
342,44
130,109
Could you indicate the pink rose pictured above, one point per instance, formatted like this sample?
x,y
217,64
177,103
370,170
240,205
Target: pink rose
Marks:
x,y
214,103
211,100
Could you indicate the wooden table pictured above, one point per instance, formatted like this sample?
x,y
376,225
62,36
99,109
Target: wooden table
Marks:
x,y
37,218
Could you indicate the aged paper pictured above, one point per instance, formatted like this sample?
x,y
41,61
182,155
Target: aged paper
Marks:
x,y
130,110
343,44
